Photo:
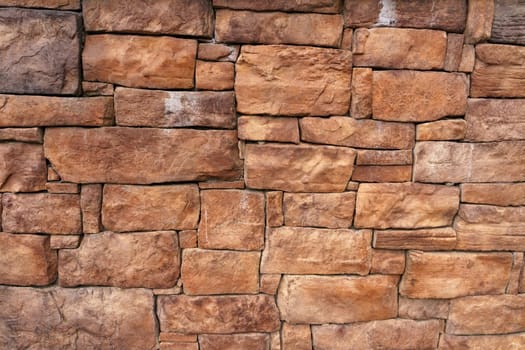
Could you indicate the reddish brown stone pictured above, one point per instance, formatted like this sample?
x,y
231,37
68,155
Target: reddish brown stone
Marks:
x,y
91,204
449,129
177,337
504,194
292,80
348,37
423,309
495,119
52,4
260,128
295,250
361,106
308,169
23,167
214,75
26,260
479,21
508,25
468,59
380,157
453,274
269,283
91,88
188,239
179,346
41,213
61,187
380,173
337,299
40,51
454,51
140,61
34,135
218,52
253,341
64,241
209,185
455,342
322,6
274,208
142,156
145,259
218,314
515,274
296,337
142,208
178,17
388,262
422,239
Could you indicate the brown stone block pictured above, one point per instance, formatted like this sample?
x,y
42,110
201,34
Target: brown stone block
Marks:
x,y
91,204
188,239
479,21
62,187
495,119
503,194
380,157
23,167
296,337
33,135
468,59
388,262
423,239
214,75
260,128
322,6
253,341
269,283
52,4
457,342
380,173
423,309
218,52
274,208
449,129
361,106
92,88
64,241
508,25
454,52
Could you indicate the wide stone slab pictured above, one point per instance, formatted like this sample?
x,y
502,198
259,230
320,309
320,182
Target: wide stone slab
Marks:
x,y
458,342
307,169
322,6
142,156
40,51
292,80
502,194
337,299
495,120
23,167
423,239
64,318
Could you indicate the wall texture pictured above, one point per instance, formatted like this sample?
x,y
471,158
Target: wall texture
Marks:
x,y
237,174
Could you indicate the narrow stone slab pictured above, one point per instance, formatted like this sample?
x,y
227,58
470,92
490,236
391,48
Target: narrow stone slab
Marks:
x,y
322,6
422,239
52,4
379,157
252,341
23,167
457,342
32,135
479,21
380,173
508,25
504,194
423,309
448,129
495,120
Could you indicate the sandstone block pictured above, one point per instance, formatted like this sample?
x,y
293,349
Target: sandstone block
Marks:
x,y
253,341
188,239
468,59
177,337
449,129
210,185
64,241
361,106
140,61
503,194
296,337
291,80
479,21
388,262
508,24
91,204
269,283
92,88
23,167
32,135
274,208
322,6
379,173
515,274
260,128
61,187
214,75
380,157
422,239
455,342
348,37
495,120
218,52
423,309
52,4
454,52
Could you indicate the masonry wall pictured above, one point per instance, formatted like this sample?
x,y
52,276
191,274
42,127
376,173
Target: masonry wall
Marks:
x,y
287,174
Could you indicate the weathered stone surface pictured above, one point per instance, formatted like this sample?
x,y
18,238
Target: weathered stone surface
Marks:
x,y
33,135
361,106
418,96
142,156
26,260
179,17
479,21
296,337
405,205
145,259
499,71
20,110
292,80
92,88
497,342
278,28
423,309
388,262
400,48
232,219
454,52
337,299
495,119
469,162
310,168
179,346
345,131
52,4
396,334
39,52
274,208
177,337
468,59
453,274
508,25
348,37
252,341
380,173
214,75
332,210
422,239
322,6
380,157
515,273
63,318
41,213
485,227
23,167
135,107
269,283
188,239
469,315
61,187
140,61
219,272
213,184
449,129
218,52
64,241
297,250
504,194
219,314
448,15
260,128
52,174
91,204
142,208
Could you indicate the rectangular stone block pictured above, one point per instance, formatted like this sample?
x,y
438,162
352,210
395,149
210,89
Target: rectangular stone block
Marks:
x,y
296,337
274,209
91,205
380,157
252,341
458,342
322,6
260,128
423,309
23,167
495,120
448,129
388,262
91,88
64,241
218,52
479,21
31,135
454,51
214,75
380,173
503,194
422,239
508,25
361,104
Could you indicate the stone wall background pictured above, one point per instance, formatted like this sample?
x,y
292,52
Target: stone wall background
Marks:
x,y
288,174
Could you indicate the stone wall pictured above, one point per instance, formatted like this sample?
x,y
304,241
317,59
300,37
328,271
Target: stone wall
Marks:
x,y
238,174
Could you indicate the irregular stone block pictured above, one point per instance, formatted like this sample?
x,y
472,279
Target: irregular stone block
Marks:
x,y
449,129
92,88
296,337
422,239
274,209
269,283
91,204
387,262
423,309
454,51
504,194
252,341
495,120
260,128
64,241
52,4
361,106
479,21
61,187
322,6
23,167
218,52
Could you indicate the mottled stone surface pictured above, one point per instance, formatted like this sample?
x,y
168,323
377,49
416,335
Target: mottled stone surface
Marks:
x,y
52,4
380,173
499,342
380,157
361,104
479,21
495,120
23,167
63,318
269,283
423,309
90,204
296,337
61,187
322,6
503,194
422,239
449,129
454,51
261,128
31,135
214,75
252,341
388,262
64,241
508,25
218,52
93,88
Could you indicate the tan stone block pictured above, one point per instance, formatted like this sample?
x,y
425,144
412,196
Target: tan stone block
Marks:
x,y
228,185
380,173
468,59
295,250
515,274
337,299
33,135
253,341
274,208
260,128
352,186
177,337
508,22
91,204
387,262
269,283
423,309
479,21
454,51
346,42
443,238
449,129
52,4
218,52
140,61
322,6
23,167
26,260
495,119
296,337
214,75
62,187
64,241
92,88
361,106
300,80
457,342
380,157
188,239
275,340
454,274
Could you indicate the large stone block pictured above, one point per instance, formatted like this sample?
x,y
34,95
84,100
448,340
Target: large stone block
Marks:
x,y
495,120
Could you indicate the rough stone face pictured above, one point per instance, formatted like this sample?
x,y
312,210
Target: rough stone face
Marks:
x,y
90,204
295,250
418,96
495,194
131,260
423,309
23,167
140,61
296,337
278,28
61,187
64,241
454,342
468,58
91,88
219,314
337,299
495,120
63,318
214,75
260,128
142,208
387,334
515,274
400,48
252,341
469,315
178,17
39,52
141,156
218,52
32,135
453,274
274,208
21,110
332,210
52,4
484,227
310,168
454,51
450,129
379,173
322,6
405,205
361,106
499,71
291,80
41,213
345,131
379,157
479,21
508,26
26,260
422,239
469,162
220,272
388,262
269,283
